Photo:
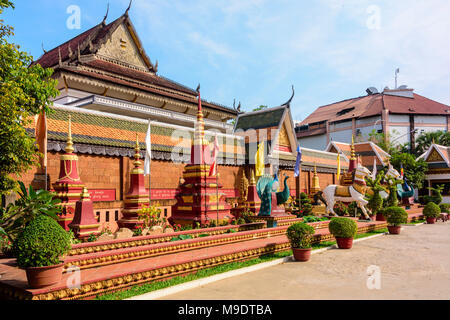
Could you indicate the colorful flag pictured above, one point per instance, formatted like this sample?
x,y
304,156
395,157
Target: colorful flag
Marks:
x,y
215,155
259,160
40,122
298,163
148,147
338,178
402,171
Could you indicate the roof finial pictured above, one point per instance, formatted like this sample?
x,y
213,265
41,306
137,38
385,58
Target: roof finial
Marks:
x,y
106,16
69,145
156,66
43,48
292,97
129,7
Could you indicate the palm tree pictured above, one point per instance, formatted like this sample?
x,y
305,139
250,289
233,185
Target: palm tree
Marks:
x,y
425,140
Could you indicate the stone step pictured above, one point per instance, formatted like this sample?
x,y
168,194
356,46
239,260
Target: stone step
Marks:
x,y
121,251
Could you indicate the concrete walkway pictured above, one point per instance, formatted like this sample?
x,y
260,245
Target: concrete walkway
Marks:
x,y
413,265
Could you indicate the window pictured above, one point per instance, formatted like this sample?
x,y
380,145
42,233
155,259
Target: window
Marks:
x,y
342,112
107,216
117,215
165,212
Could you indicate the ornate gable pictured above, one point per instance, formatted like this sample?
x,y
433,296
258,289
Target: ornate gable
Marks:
x,y
122,47
283,143
435,157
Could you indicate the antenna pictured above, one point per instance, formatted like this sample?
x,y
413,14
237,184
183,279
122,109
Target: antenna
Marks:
x,y
397,71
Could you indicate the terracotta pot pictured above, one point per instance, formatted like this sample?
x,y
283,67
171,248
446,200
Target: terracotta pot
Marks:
x,y
431,220
44,276
344,243
394,229
380,217
302,255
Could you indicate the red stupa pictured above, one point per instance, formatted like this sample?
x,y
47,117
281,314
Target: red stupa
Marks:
x,y
137,196
198,199
69,186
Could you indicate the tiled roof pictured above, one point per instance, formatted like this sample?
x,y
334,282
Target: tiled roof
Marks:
x,y
372,105
90,41
103,130
367,150
261,119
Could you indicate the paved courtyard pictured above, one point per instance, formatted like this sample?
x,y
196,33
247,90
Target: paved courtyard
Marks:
x,y
413,265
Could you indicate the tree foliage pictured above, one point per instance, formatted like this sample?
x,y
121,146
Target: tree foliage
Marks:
x,y
424,141
25,91
414,169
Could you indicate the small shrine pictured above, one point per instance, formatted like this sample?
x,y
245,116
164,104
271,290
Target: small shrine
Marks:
x,y
137,196
199,199
69,186
248,199
84,223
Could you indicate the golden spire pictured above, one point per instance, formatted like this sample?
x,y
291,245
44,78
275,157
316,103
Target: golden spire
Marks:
x,y
137,154
85,194
69,146
353,155
252,178
315,181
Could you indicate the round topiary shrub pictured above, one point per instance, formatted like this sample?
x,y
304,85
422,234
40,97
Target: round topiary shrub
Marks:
x,y
396,216
343,228
41,244
431,210
445,207
300,234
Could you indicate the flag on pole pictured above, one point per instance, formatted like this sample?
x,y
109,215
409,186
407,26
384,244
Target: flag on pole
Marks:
x,y
148,147
40,122
402,171
374,173
215,155
298,163
338,178
259,160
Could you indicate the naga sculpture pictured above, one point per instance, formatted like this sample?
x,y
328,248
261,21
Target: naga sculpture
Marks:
x,y
271,200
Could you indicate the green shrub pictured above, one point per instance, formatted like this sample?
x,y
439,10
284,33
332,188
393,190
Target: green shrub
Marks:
x,y
343,227
181,237
396,216
41,244
310,219
304,205
431,210
445,207
241,221
246,216
351,209
300,234
340,209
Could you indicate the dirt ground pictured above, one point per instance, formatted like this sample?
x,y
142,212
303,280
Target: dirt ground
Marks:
x,y
412,265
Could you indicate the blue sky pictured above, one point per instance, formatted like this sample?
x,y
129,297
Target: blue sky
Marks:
x,y
254,50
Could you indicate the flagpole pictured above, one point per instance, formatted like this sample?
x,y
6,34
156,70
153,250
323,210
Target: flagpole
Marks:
x,y
217,193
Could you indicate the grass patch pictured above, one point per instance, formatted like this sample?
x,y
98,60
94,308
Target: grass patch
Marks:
x,y
153,286
415,222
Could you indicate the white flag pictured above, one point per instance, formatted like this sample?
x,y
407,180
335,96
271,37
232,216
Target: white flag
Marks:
x,y
148,153
374,173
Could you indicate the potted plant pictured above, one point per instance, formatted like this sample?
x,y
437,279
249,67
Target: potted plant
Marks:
x,y
396,216
39,249
431,211
300,234
344,230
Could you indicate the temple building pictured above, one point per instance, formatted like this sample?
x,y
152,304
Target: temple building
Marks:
x,y
438,159
111,91
399,113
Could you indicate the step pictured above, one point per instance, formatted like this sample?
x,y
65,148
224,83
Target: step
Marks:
x,y
125,250
118,276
